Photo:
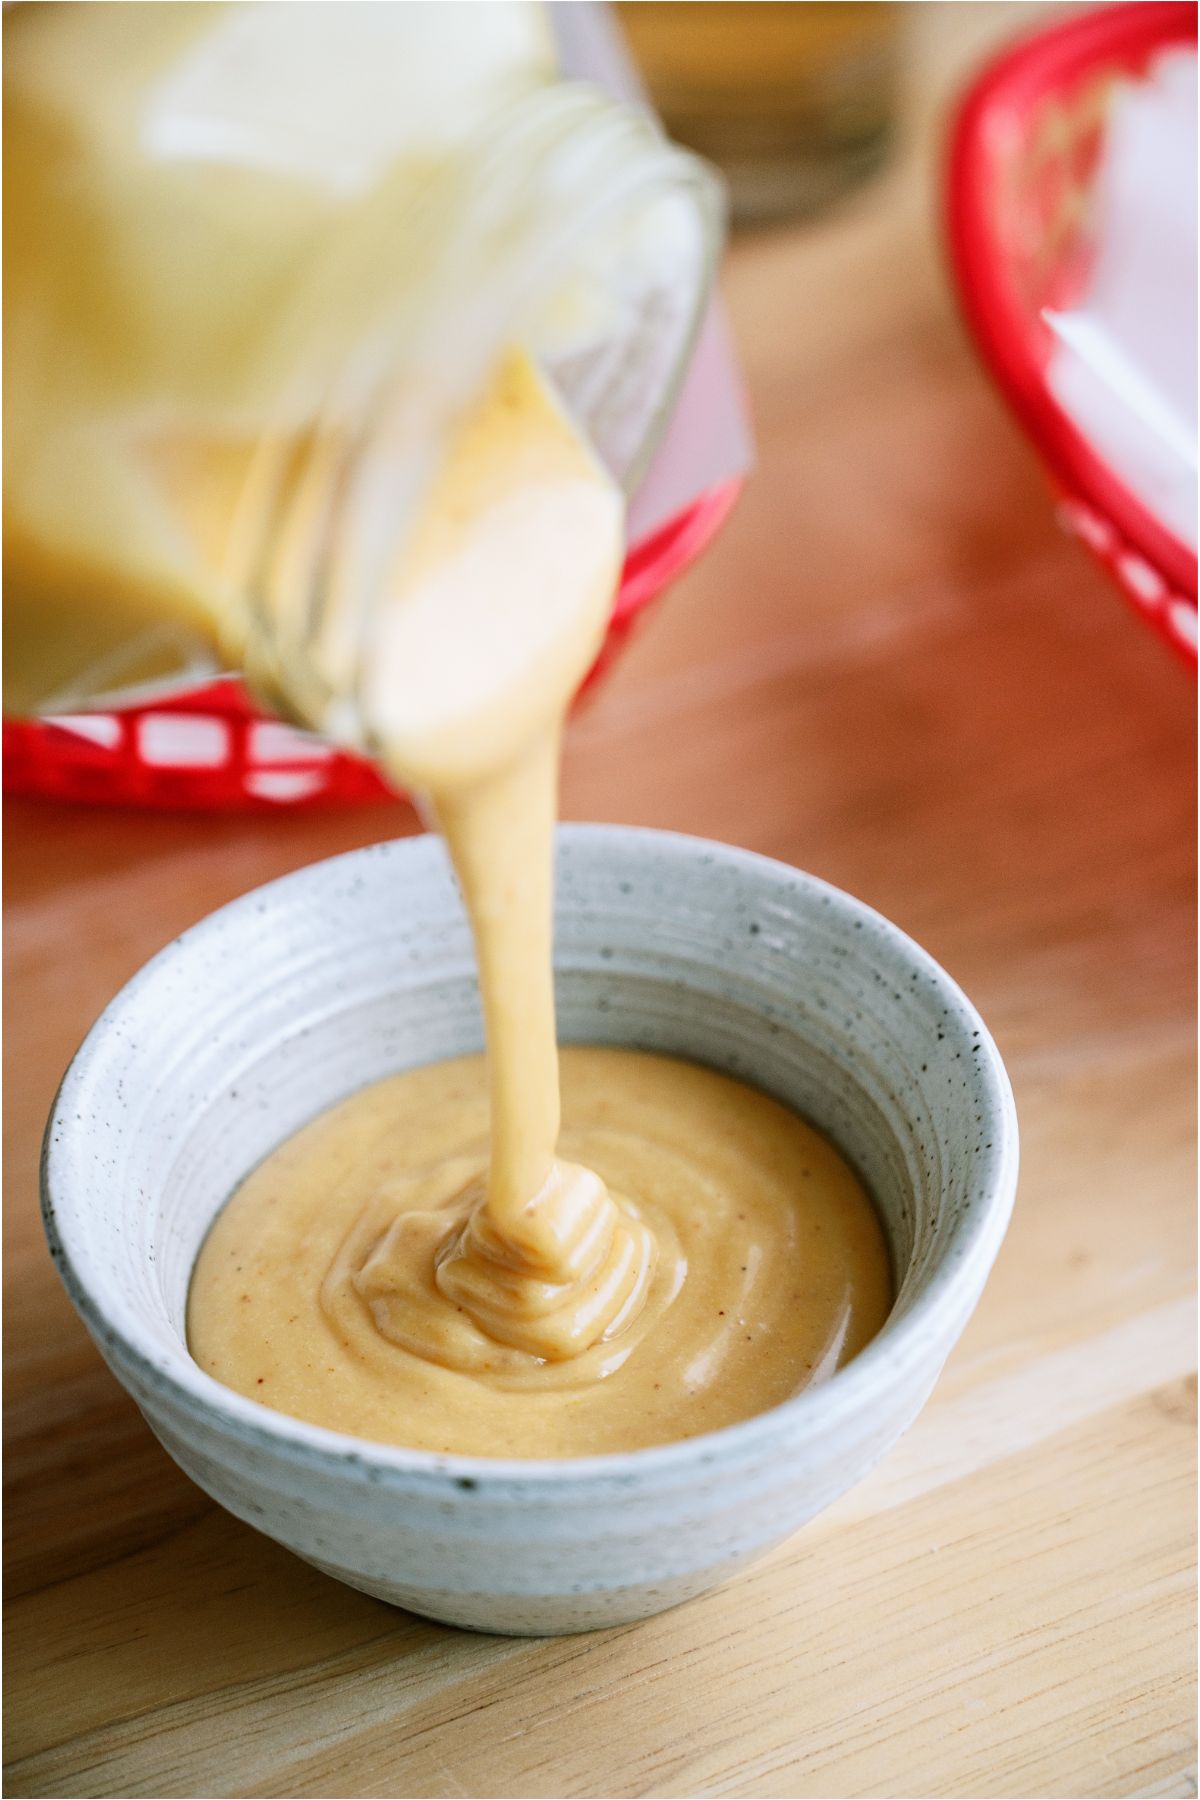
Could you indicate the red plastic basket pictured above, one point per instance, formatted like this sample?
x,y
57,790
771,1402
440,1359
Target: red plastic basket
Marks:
x,y
208,746
1024,153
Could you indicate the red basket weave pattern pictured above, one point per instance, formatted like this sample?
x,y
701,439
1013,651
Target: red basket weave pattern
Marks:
x,y
1023,158
209,747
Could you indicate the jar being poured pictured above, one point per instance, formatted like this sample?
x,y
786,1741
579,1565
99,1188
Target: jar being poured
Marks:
x,y
393,489
493,615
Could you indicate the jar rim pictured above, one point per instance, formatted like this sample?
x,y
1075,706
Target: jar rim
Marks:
x,y
560,164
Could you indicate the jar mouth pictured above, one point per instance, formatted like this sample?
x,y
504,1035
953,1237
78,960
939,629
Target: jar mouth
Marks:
x,y
566,223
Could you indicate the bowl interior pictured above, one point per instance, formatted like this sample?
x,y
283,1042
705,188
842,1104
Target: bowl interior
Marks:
x,y
302,992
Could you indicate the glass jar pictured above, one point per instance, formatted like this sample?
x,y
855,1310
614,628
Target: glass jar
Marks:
x,y
261,258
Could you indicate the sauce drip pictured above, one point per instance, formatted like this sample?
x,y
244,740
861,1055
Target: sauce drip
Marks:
x,y
448,1260
491,621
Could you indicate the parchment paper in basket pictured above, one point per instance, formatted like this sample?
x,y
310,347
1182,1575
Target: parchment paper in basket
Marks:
x,y
1124,364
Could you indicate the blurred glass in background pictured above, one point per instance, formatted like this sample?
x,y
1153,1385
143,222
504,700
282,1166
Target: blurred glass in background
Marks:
x,y
794,100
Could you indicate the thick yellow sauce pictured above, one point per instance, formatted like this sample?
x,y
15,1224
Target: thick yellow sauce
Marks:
x,y
418,1265
450,1260
316,1291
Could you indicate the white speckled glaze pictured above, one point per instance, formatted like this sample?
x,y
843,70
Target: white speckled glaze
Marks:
x,y
303,991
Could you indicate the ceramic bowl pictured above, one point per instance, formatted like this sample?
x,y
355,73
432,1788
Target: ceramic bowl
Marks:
x,y
302,991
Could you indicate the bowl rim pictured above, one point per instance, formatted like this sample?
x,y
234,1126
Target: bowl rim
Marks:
x,y
899,1348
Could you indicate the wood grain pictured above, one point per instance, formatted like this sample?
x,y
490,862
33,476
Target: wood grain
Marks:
x,y
894,671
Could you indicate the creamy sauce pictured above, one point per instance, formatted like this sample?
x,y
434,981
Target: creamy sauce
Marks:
x,y
418,1264
439,1261
316,1290
499,608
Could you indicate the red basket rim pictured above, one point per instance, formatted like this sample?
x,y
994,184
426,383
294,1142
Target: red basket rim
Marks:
x,y
994,314
48,755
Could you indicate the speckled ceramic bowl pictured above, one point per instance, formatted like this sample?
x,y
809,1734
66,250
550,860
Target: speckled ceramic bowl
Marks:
x,y
301,992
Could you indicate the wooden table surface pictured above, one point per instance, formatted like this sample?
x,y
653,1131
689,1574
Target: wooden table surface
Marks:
x,y
892,670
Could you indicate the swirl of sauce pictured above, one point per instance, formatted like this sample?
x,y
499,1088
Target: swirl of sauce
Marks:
x,y
493,618
594,1282
425,1262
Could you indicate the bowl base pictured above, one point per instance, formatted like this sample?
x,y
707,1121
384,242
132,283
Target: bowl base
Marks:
x,y
543,1615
